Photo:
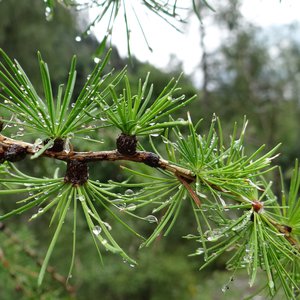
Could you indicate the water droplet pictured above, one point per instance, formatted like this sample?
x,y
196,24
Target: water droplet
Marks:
x,y
97,60
107,225
38,142
48,13
243,224
213,235
78,38
121,206
97,230
80,198
131,207
67,148
225,288
199,251
151,219
116,200
154,134
33,216
180,120
20,133
129,192
132,265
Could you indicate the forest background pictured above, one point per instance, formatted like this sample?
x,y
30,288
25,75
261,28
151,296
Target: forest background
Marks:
x,y
253,72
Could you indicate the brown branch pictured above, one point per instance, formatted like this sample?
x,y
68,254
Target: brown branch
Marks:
x,y
189,189
286,231
148,158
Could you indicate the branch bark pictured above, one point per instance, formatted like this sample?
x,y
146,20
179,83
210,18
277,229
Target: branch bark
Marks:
x,y
148,158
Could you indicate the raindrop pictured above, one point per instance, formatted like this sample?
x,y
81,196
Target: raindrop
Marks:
x,y
117,200
97,60
121,206
132,265
48,13
213,235
81,198
199,251
271,284
154,134
78,38
131,207
225,288
97,230
129,192
38,142
151,219
20,133
242,224
107,225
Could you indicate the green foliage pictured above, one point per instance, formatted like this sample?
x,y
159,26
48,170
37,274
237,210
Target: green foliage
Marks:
x,y
55,194
133,114
290,201
50,119
199,166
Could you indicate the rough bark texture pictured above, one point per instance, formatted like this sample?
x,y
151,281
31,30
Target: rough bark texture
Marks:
x,y
58,145
15,153
126,144
152,160
77,172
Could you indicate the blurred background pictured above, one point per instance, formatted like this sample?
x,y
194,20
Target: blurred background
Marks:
x,y
242,69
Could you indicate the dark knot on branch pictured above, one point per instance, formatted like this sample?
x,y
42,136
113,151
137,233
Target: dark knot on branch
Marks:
x,y
126,144
77,172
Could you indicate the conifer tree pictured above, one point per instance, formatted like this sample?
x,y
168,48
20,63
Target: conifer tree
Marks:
x,y
234,208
